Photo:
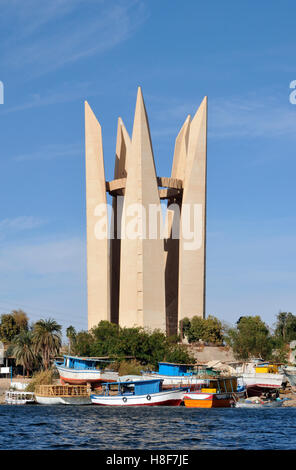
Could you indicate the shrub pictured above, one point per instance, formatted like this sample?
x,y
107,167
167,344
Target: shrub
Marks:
x,y
45,377
132,367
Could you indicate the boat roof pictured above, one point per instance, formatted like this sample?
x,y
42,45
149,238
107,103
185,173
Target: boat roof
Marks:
x,y
97,359
132,382
179,364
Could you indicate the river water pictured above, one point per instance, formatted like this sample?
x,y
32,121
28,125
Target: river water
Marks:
x,y
93,427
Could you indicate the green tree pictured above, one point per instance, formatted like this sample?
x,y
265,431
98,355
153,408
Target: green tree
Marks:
x,y
23,351
206,329
185,325
8,327
71,335
21,319
147,347
11,324
84,344
285,330
47,339
251,337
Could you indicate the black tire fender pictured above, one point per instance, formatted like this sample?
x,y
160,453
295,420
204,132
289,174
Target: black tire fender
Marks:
x,y
124,399
148,397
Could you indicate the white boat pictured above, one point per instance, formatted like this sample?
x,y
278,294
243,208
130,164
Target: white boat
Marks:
x,y
13,397
83,370
62,395
138,393
173,375
261,380
248,403
257,375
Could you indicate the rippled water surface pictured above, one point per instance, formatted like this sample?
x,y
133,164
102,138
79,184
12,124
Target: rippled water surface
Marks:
x,y
91,427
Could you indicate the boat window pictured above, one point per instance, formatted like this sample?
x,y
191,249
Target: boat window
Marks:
x,y
127,389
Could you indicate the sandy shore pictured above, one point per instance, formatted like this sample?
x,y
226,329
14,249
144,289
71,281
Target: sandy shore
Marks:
x,y
292,397
5,384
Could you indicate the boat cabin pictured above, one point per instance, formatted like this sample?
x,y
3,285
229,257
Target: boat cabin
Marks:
x,y
80,363
220,385
170,369
138,387
19,398
184,370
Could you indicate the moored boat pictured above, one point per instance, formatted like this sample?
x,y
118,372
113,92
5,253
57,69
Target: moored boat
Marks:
x,y
260,381
257,376
258,402
13,397
62,395
181,375
220,393
83,370
137,393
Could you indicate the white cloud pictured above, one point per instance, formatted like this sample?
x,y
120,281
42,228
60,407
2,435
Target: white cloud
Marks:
x,y
20,223
50,152
252,117
66,93
45,43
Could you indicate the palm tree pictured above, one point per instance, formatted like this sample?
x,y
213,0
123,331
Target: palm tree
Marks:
x,y
47,339
71,335
23,350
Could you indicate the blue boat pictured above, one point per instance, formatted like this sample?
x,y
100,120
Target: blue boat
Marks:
x,y
176,374
138,393
83,370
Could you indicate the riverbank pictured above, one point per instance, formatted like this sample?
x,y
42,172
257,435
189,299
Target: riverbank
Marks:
x,y
5,384
291,396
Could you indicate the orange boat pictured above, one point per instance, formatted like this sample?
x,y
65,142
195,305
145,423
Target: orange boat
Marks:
x,y
219,394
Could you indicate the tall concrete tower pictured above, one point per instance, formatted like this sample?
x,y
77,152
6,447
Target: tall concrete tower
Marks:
x,y
141,271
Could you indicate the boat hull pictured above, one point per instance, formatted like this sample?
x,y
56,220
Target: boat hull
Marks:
x,y
20,402
19,398
83,377
208,400
165,398
262,380
79,377
274,404
63,400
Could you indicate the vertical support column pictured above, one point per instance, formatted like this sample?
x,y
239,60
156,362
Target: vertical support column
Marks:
x,y
193,219
173,233
142,287
98,282
123,144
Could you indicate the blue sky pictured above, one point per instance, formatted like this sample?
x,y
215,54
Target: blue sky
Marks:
x,y
57,53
